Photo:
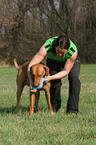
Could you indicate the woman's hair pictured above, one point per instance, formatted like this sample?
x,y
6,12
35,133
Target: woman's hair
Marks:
x,y
62,41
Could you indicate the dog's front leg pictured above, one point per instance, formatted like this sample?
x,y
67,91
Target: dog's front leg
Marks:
x,y
31,102
47,93
37,96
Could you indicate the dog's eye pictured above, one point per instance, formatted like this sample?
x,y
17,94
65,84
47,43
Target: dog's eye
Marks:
x,y
33,75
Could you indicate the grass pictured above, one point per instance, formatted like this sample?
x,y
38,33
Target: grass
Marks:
x,y
42,128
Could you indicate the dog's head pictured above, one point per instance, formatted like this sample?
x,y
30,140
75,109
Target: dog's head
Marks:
x,y
38,71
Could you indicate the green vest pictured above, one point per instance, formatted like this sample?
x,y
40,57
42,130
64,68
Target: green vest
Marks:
x,y
55,57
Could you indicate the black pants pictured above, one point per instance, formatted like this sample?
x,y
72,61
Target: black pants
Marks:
x,y
74,86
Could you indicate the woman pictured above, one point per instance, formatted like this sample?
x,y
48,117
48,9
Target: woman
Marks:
x,y
63,60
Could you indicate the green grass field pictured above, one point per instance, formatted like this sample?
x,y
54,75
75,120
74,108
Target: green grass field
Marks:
x,y
42,128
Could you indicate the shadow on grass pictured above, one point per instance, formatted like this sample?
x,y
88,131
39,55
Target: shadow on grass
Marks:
x,y
22,109
11,109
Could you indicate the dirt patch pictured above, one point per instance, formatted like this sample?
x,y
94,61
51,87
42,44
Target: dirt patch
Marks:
x,y
3,64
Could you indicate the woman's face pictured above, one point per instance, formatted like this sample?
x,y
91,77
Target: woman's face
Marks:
x,y
60,52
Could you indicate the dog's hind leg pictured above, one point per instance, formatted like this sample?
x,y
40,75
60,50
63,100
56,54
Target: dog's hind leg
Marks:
x,y
20,86
19,92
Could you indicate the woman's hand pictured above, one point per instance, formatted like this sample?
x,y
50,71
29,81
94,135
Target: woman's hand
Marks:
x,y
48,78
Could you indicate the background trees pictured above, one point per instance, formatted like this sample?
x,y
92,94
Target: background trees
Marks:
x,y
26,24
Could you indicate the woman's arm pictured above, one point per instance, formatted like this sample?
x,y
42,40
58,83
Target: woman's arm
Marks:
x,y
67,68
36,59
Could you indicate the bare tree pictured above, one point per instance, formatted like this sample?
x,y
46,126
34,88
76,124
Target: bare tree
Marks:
x,y
26,24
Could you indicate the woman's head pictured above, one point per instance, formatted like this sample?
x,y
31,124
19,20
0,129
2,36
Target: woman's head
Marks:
x,y
61,45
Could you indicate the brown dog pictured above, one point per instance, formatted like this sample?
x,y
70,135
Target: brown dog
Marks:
x,y
38,72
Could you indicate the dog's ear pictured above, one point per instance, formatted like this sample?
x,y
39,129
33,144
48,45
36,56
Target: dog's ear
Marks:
x,y
46,70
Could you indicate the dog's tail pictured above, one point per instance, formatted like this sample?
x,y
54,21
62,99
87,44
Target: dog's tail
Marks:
x,y
15,62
